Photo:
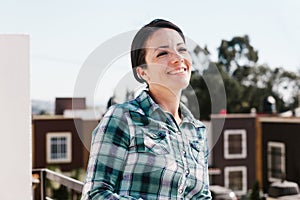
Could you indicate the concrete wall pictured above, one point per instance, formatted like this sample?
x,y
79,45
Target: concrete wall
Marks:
x,y
15,142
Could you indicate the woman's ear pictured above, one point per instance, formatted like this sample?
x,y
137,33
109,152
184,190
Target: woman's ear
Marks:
x,y
141,72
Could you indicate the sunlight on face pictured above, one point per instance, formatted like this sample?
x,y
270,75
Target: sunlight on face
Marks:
x,y
168,61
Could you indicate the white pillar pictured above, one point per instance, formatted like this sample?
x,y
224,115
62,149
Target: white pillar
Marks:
x,y
15,118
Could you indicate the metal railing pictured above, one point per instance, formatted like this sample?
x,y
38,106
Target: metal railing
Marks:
x,y
73,185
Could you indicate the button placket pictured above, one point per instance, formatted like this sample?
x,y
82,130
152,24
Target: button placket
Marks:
x,y
184,153
187,172
180,191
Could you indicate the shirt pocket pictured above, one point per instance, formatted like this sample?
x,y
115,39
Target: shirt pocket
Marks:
x,y
155,141
197,151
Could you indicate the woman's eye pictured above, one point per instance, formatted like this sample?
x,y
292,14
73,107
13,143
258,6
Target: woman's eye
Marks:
x,y
162,53
182,50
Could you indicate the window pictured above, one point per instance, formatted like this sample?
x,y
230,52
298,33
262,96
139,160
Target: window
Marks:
x,y
276,161
236,179
235,144
59,147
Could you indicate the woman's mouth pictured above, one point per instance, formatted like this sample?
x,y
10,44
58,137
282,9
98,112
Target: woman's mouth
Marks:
x,y
177,71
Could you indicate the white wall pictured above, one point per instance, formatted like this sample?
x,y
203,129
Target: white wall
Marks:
x,y
15,119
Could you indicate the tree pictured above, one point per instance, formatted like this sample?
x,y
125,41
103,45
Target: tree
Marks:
x,y
236,52
254,195
246,82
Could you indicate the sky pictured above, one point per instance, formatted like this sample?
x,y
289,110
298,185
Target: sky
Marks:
x,y
64,34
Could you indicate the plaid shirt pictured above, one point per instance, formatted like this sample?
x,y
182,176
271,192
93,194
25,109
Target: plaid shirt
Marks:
x,y
139,152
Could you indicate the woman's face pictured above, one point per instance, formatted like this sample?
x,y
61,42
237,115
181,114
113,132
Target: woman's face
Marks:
x,y
168,61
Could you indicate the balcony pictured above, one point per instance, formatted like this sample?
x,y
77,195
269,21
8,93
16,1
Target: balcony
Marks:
x,y
42,176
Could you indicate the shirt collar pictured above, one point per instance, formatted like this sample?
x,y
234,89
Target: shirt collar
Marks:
x,y
152,109
187,116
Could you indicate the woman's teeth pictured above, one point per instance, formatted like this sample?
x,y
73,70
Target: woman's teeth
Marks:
x,y
181,70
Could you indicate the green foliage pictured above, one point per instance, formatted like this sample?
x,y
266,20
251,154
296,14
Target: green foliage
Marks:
x,y
61,193
201,91
55,189
254,195
78,174
236,51
246,82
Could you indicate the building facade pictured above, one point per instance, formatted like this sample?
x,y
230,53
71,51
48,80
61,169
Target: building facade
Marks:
x,y
255,148
61,142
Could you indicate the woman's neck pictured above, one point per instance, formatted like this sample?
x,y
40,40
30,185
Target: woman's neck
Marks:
x,y
168,100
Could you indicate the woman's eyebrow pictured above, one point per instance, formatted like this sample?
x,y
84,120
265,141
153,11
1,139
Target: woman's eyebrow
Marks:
x,y
162,47
181,43
167,46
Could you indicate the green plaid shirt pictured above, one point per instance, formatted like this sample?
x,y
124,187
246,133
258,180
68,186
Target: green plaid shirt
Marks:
x,y
139,152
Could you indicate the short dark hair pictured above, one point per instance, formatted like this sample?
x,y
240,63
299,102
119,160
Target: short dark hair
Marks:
x,y
138,51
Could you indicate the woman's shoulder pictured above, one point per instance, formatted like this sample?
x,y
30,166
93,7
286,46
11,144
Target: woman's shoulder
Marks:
x,y
126,107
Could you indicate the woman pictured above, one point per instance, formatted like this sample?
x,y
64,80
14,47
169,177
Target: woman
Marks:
x,y
151,147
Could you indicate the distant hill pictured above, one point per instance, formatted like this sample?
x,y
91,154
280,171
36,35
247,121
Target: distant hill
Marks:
x,y
42,107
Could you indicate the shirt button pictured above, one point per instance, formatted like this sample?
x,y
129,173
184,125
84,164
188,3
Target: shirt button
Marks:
x,y
180,191
184,153
187,172
179,133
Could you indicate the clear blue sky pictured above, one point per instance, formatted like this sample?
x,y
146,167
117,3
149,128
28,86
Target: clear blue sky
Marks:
x,y
64,33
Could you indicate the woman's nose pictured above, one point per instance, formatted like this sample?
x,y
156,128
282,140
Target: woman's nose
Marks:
x,y
176,57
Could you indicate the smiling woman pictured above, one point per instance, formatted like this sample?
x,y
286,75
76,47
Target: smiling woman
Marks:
x,y
168,68
151,147
168,61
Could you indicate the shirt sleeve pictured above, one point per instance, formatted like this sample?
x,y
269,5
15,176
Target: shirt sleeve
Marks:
x,y
109,149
